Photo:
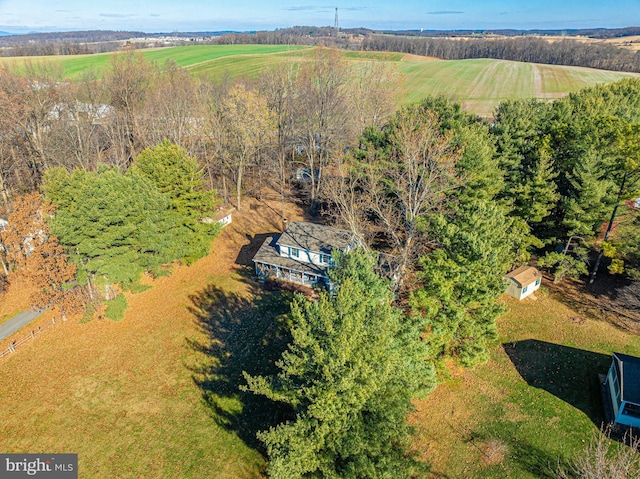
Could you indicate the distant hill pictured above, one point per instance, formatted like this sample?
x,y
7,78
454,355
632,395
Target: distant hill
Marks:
x,y
72,37
597,33
5,34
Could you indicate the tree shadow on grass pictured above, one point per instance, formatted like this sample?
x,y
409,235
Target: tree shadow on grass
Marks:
x,y
245,333
534,460
570,374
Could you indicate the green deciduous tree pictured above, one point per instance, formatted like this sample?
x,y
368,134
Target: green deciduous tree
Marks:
x,y
179,177
350,372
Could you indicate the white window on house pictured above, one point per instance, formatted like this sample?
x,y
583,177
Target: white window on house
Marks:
x,y
524,290
325,258
538,282
295,252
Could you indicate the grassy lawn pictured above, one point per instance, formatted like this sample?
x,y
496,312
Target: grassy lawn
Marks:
x,y
144,396
536,401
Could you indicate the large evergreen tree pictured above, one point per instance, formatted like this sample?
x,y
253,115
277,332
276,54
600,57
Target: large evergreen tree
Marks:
x,y
179,177
349,374
462,279
115,226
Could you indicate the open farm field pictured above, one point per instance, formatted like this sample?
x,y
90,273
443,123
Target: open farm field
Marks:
x,y
478,84
74,66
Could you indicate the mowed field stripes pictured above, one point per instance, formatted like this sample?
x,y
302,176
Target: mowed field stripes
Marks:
x,y
479,84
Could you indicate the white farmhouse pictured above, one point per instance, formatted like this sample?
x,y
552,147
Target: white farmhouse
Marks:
x,y
302,254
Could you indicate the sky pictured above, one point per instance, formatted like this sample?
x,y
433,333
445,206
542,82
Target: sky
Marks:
x,y
21,16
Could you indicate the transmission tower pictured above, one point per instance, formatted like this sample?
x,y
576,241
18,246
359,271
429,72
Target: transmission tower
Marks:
x,y
336,25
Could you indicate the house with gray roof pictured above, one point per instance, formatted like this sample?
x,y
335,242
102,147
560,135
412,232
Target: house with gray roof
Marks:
x,y
302,254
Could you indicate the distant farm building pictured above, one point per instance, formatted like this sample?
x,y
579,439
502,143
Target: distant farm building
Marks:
x,y
622,386
523,281
302,254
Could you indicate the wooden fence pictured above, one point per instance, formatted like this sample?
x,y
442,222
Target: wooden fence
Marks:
x,y
32,335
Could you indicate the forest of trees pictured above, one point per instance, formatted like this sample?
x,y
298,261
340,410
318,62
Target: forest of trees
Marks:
x,y
106,179
522,49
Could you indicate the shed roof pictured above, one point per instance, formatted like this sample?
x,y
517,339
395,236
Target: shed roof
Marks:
x,y
629,367
315,237
524,275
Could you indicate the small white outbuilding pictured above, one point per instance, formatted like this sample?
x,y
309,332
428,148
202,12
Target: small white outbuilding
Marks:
x,y
523,281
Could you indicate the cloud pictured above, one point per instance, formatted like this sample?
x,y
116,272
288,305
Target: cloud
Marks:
x,y
306,8
117,15
445,12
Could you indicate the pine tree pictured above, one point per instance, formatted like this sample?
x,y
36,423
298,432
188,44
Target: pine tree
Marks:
x,y
588,202
537,195
179,177
350,372
115,226
462,279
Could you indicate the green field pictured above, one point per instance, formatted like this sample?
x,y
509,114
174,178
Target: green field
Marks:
x,y
73,67
478,84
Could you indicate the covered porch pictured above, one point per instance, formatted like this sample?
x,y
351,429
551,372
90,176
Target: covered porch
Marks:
x,y
265,271
269,264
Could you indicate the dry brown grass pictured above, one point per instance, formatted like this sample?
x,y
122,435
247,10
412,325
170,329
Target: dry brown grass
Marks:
x,y
121,394
418,58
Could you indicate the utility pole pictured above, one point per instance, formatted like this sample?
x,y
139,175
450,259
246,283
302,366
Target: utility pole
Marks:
x,y
336,25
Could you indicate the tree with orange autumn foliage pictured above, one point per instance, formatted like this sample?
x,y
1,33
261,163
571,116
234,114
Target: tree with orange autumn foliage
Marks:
x,y
36,255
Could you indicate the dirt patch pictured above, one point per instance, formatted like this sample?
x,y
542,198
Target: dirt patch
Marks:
x,y
418,58
598,301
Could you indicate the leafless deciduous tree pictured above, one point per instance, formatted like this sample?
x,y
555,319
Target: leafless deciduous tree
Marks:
x,y
322,122
411,183
172,110
602,459
245,126
279,87
126,85
374,89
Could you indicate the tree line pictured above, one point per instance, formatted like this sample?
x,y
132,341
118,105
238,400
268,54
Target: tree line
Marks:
x,y
511,45
523,49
